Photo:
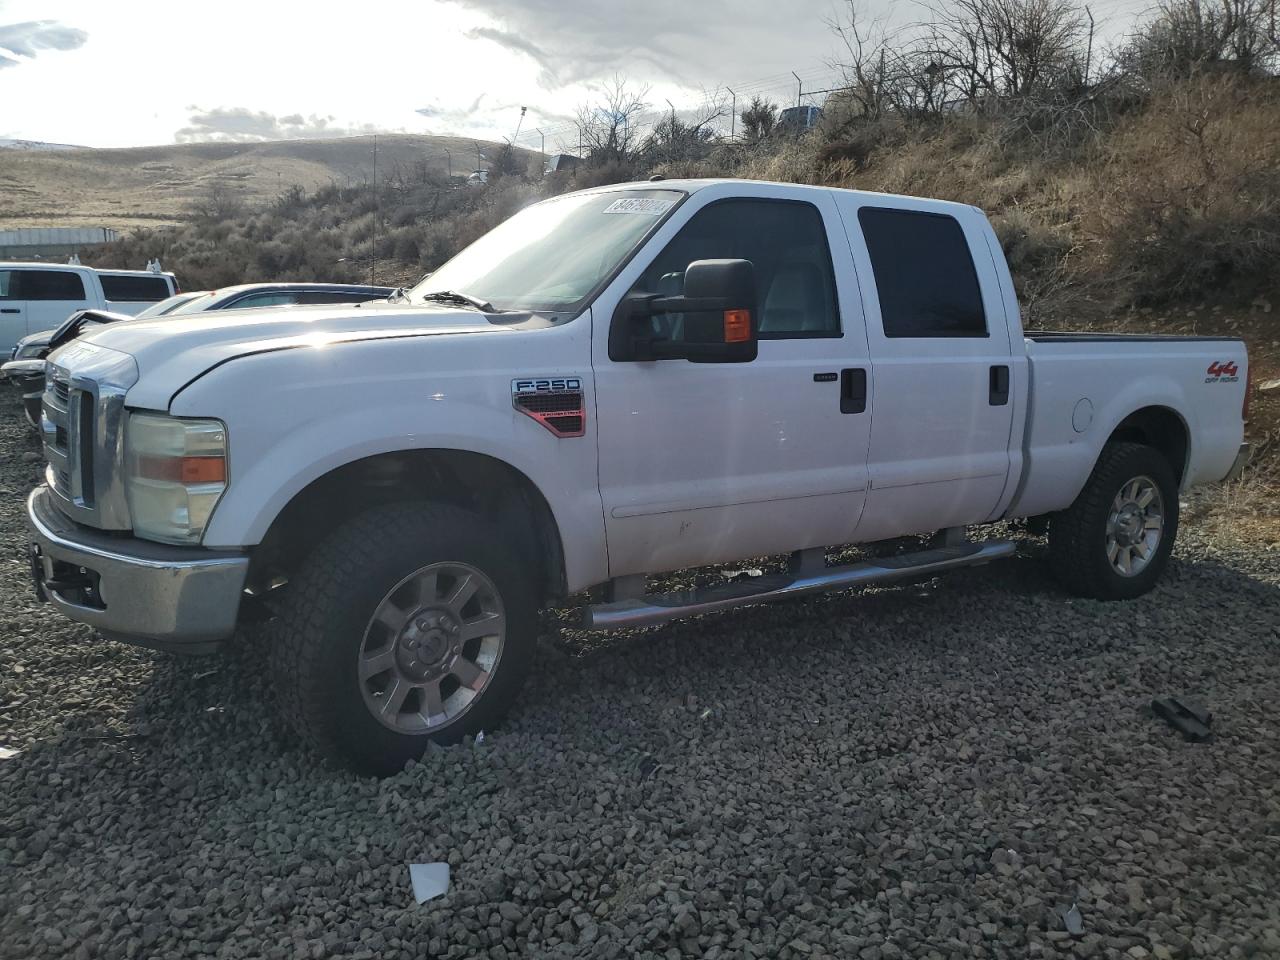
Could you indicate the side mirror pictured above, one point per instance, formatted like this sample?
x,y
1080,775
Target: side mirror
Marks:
x,y
717,323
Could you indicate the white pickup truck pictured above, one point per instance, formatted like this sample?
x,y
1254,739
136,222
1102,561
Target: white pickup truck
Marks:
x,y
612,384
40,296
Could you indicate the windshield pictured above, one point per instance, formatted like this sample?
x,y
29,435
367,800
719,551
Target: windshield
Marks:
x,y
165,306
197,304
551,256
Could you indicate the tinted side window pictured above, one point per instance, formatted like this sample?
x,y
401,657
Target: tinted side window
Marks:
x,y
262,300
126,289
49,285
924,274
785,240
331,296
8,289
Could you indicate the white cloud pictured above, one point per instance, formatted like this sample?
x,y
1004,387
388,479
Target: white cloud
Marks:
x,y
24,41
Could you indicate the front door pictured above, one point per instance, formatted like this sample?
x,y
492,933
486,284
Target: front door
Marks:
x,y
942,370
705,463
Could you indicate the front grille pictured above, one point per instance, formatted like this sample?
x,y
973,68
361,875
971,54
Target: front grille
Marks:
x,y
83,426
70,430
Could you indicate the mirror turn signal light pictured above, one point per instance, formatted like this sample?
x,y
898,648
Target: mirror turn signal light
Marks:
x,y
737,326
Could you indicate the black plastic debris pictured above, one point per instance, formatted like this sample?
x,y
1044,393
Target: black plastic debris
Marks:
x,y
1072,921
1189,718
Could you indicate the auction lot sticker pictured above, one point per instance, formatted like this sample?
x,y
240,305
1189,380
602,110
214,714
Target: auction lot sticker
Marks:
x,y
651,206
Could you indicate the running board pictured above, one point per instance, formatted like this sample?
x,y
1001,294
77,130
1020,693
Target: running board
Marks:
x,y
661,607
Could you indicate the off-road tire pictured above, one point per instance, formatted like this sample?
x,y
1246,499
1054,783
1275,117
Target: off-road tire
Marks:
x,y
33,409
1077,535
316,637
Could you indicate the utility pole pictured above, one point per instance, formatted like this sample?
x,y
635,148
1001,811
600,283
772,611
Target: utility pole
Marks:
x,y
543,148
377,215
449,158
733,114
479,159
799,87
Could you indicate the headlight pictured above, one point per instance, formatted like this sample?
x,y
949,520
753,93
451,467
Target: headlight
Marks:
x,y
29,351
175,471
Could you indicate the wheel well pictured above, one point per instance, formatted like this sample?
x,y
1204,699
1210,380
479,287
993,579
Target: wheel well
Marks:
x,y
476,482
1157,427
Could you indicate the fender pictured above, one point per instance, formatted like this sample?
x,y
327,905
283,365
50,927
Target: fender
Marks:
x,y
1059,460
294,416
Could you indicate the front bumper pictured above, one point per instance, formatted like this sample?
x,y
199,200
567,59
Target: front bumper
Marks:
x,y
27,376
150,594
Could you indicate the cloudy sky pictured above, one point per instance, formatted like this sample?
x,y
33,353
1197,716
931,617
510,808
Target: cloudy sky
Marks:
x,y
110,73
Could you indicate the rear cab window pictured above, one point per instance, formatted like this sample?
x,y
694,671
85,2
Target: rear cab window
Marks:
x,y
131,288
924,274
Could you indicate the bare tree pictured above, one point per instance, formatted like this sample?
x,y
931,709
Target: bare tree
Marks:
x,y
217,203
1188,35
676,138
1007,48
608,128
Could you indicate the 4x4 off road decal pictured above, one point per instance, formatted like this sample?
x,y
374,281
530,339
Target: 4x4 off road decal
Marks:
x,y
1220,372
558,403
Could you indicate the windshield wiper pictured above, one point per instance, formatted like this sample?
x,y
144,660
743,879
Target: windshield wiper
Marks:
x,y
450,296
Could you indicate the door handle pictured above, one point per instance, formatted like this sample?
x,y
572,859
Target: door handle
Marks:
x,y
999,391
853,390
9,310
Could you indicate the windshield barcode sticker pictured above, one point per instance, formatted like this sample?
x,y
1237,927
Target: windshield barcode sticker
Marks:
x,y
651,206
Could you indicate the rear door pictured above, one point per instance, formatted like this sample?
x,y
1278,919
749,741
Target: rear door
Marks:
x,y
51,296
13,312
940,351
703,462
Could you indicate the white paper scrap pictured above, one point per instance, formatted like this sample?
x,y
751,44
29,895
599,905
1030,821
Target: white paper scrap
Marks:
x,y
430,880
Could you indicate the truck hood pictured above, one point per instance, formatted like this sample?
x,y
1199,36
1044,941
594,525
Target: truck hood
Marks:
x,y
171,352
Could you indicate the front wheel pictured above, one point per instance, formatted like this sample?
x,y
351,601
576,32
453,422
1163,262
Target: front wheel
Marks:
x,y
1115,540
412,623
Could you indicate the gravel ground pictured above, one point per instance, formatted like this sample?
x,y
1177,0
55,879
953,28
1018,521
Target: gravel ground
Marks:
x,y
923,771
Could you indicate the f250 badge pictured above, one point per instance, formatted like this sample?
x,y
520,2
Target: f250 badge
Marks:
x,y
1220,372
558,403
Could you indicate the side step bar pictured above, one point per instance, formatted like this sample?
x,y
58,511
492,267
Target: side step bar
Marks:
x,y
659,608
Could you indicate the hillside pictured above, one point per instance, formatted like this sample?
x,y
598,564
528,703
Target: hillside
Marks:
x,y
151,186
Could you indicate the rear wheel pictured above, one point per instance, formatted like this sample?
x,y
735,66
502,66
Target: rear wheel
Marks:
x,y
1115,540
32,408
412,623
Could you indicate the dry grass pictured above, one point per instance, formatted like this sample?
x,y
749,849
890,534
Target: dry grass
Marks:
x,y
151,186
1241,511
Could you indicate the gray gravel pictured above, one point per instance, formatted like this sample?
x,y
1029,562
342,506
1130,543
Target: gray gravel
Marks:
x,y
935,770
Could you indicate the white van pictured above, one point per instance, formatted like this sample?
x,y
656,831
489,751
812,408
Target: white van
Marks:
x,y
38,296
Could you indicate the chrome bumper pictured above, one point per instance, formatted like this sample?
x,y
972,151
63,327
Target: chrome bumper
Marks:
x,y
27,376
150,594
1237,468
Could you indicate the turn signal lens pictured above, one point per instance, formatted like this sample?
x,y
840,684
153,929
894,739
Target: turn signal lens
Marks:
x,y
183,469
737,326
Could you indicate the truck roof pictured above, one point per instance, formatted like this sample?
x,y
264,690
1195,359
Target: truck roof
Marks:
x,y
42,265
692,186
